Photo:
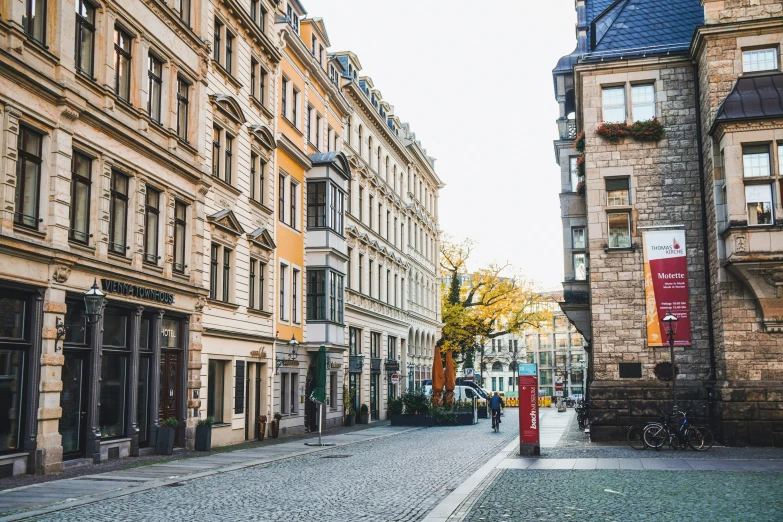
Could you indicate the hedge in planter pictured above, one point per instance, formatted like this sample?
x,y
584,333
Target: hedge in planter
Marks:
x,y
166,434
204,434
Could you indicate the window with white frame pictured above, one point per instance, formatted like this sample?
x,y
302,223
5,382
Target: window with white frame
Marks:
x,y
578,238
574,172
580,266
617,192
758,199
614,104
759,60
642,102
619,229
295,295
283,291
756,161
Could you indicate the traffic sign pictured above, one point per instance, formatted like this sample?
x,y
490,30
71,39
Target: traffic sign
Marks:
x,y
558,393
468,374
558,379
559,387
395,378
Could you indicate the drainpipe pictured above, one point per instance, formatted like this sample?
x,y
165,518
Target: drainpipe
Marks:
x,y
705,237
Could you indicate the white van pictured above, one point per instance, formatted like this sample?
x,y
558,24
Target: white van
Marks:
x,y
461,393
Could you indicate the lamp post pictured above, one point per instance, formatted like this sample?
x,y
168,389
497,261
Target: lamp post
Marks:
x,y
93,304
410,376
671,323
292,356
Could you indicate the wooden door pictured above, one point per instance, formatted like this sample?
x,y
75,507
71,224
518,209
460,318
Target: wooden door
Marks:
x,y
169,386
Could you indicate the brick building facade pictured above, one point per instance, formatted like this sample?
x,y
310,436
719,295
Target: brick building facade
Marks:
x,y
690,66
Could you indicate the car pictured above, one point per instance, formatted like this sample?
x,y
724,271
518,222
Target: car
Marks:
x,y
472,384
461,393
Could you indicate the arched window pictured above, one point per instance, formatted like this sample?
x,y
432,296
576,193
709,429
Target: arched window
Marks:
x,y
497,366
360,140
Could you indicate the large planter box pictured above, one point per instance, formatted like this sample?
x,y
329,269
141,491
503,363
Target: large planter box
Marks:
x,y
482,413
165,442
412,420
465,419
203,438
349,420
364,418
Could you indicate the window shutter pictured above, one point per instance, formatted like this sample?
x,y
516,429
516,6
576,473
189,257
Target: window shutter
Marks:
x,y
239,395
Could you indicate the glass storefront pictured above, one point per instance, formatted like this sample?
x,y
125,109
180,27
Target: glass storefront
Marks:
x,y
114,368
11,380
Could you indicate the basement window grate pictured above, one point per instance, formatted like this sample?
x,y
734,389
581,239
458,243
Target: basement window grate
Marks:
x,y
114,453
6,471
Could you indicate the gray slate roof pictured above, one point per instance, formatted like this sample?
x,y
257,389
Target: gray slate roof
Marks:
x,y
633,24
753,97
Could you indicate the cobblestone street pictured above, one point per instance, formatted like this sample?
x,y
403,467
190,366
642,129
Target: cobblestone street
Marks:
x,y
398,478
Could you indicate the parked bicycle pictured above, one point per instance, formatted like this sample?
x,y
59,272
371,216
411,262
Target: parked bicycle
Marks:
x,y
678,433
582,414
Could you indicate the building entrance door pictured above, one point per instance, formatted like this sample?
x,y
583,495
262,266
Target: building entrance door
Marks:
x,y
252,401
73,400
169,387
374,387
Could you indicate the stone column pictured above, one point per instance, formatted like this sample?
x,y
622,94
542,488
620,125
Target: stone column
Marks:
x,y
132,384
155,328
33,375
93,434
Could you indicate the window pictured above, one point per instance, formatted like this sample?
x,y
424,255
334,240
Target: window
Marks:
x,y
619,230
308,123
760,60
333,390
81,167
337,199
216,132
375,345
316,295
228,165
758,199
348,128
293,191
183,8
257,269
34,20
182,109
340,298
580,267
122,63
282,291
216,379
360,140
372,205
295,108
217,41
226,273
318,132
180,236
154,82
213,271
85,37
614,104
369,278
578,238
755,161
258,14
316,204
118,213
284,98
281,199
642,102
293,18
289,384
329,138
257,167
261,85
294,295
313,46
574,171
253,77
28,177
361,271
151,220
239,388
111,415
630,370
617,194
361,203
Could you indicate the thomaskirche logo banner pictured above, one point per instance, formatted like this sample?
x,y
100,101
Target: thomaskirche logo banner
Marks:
x,y
666,286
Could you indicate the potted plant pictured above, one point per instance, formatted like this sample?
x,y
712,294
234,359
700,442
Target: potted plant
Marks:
x,y
364,414
274,426
261,427
204,434
166,433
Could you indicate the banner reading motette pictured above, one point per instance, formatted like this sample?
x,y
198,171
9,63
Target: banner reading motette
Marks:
x,y
666,286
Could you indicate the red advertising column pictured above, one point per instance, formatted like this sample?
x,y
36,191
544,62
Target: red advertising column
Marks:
x,y
528,410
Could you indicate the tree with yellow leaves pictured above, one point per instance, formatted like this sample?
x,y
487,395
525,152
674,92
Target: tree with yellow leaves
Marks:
x,y
491,302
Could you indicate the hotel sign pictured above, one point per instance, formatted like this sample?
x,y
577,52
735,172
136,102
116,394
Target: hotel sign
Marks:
x,y
116,287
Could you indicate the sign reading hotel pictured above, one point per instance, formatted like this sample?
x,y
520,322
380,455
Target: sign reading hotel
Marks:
x,y
666,286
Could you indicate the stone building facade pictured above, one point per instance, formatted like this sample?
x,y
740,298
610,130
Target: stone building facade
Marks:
x,y
728,375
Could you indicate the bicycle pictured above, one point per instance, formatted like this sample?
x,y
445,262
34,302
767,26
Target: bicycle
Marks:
x,y
582,415
495,421
635,438
686,434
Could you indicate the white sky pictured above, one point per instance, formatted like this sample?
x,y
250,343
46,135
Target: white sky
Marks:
x,y
474,80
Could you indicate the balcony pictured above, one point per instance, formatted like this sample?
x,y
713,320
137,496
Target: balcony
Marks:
x,y
576,306
567,129
755,256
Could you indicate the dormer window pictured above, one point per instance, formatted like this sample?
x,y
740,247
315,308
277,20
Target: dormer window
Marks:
x,y
760,60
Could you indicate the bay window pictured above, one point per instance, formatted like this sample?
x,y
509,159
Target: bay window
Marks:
x,y
756,161
574,173
758,199
324,295
580,266
578,238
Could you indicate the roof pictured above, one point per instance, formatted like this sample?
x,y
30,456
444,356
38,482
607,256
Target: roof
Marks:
x,y
642,26
753,97
335,160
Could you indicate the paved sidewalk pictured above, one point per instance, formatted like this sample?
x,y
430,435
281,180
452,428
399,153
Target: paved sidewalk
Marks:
x,y
38,499
657,464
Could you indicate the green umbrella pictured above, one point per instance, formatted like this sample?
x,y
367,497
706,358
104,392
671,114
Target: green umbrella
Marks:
x,y
319,393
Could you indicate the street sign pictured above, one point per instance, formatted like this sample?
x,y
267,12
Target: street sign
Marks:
x,y
395,378
468,374
558,393
559,386
559,379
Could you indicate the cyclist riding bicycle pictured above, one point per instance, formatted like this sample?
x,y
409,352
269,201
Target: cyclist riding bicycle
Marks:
x,y
495,404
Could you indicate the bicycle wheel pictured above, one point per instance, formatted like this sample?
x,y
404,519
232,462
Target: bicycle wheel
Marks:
x,y
700,438
635,438
654,435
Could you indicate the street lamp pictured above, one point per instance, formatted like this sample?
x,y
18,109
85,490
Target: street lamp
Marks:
x,y
671,323
93,304
293,343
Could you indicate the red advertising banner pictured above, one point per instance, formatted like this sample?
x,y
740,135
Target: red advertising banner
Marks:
x,y
528,404
666,286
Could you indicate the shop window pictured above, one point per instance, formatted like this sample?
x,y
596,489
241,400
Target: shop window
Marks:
x,y
758,199
115,330
216,379
169,333
619,230
112,395
333,390
289,385
239,388
81,183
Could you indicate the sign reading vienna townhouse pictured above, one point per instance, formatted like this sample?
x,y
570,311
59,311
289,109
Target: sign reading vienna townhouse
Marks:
x,y
116,287
666,286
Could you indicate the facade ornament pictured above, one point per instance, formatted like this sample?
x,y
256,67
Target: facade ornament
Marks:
x,y
201,302
740,244
61,273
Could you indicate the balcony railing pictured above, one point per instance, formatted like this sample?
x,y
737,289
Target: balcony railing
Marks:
x,y
355,363
571,130
375,364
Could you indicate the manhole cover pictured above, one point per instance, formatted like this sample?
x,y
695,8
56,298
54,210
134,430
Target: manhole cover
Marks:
x,y
335,456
